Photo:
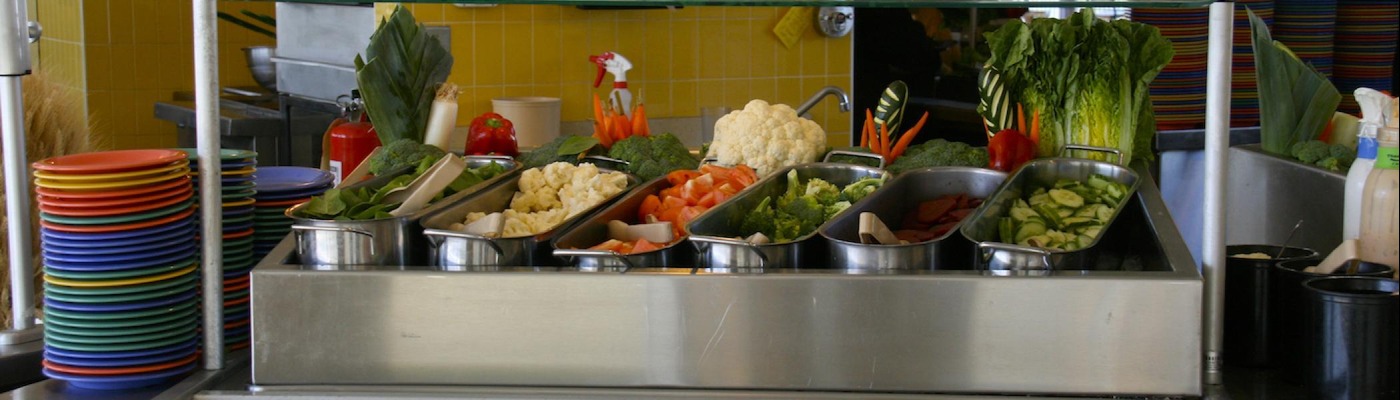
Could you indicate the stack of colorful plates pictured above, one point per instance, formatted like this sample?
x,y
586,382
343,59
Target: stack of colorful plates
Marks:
x,y
1179,92
237,168
120,258
1365,50
1244,100
1307,27
278,189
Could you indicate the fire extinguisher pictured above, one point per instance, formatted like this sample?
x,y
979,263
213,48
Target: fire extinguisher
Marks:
x,y
351,142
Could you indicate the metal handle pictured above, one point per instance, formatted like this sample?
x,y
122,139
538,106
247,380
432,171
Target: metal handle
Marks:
x,y
710,240
435,236
341,229
492,157
608,160
988,247
1116,152
569,253
859,154
709,160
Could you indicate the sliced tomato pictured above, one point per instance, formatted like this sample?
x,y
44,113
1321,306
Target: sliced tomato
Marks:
x,y
673,202
643,246
721,196
669,214
625,248
728,189
680,177
689,213
674,191
610,245
649,206
708,200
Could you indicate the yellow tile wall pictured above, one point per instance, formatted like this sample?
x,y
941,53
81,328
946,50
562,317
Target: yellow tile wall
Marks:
x,y
682,60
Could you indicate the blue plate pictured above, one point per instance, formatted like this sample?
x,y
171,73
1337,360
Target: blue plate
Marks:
x,y
239,316
230,212
118,307
107,355
289,179
121,246
238,226
119,382
234,273
172,355
106,236
117,266
291,195
134,254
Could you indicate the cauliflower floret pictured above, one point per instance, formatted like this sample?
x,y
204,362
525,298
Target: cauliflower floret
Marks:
x,y
539,199
532,179
766,137
554,193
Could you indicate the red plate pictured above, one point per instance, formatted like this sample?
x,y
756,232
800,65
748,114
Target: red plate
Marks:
x,y
236,287
281,203
112,195
118,227
109,161
235,324
113,211
236,281
117,202
69,369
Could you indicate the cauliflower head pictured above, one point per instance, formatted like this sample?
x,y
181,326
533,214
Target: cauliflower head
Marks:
x,y
766,137
554,193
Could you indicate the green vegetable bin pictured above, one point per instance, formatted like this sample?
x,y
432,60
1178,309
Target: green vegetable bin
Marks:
x,y
1010,259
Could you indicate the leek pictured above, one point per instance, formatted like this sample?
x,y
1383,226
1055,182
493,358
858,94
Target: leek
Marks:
x,y
1295,101
398,76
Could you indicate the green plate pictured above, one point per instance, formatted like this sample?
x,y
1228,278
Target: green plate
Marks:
x,y
235,243
170,291
123,315
76,333
228,197
238,219
271,223
236,309
231,340
244,259
241,293
66,345
121,219
238,188
189,326
224,154
185,311
180,281
129,273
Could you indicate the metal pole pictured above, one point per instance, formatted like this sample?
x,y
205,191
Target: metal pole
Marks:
x,y
14,64
206,122
1222,23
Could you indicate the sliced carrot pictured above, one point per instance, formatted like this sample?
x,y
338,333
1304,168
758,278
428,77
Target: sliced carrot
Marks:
x,y
1020,118
1035,127
644,246
622,128
885,143
865,129
600,132
908,137
639,121
597,108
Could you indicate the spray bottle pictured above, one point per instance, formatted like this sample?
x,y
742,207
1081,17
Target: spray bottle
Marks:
x,y
617,65
1380,200
1374,105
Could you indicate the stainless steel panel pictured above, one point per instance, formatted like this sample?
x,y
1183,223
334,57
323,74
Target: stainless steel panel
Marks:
x,y
1073,332
1269,194
323,32
892,203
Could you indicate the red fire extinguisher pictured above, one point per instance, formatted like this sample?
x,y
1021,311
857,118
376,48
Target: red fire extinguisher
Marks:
x,y
351,142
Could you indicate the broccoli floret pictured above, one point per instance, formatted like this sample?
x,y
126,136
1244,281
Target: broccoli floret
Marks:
x,y
940,153
401,153
795,189
1330,163
809,213
786,228
836,208
653,157
822,191
760,219
1345,155
859,189
1311,151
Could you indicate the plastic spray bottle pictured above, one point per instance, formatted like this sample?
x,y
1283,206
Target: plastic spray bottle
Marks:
x,y
1380,202
617,65
1374,105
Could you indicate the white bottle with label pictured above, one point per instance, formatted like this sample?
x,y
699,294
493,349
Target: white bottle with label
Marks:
x,y
1379,241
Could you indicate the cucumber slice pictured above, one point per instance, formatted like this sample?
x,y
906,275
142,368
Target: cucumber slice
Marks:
x,y
1038,199
1103,213
1065,212
1075,222
1098,181
1050,213
1038,191
1087,211
1006,229
1019,203
1084,241
1089,194
1021,214
1114,193
1092,232
1066,198
1036,241
1066,184
1027,230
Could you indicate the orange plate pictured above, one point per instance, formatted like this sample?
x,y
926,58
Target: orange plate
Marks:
x,y
237,323
69,369
163,187
239,346
119,227
113,211
281,203
236,287
109,161
236,280
121,202
237,301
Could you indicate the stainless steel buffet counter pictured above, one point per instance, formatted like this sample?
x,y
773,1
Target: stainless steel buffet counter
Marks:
x,y
1135,330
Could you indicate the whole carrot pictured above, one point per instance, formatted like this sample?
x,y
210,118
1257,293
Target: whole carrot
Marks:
x,y
865,130
908,138
885,142
639,121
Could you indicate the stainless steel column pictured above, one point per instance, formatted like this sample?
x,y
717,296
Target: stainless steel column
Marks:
x,y
14,64
1222,20
206,108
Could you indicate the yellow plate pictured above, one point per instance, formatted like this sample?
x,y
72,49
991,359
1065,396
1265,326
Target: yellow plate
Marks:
x,y
240,203
110,185
96,178
119,282
233,172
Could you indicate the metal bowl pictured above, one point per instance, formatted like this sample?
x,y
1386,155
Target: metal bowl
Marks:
x,y
260,65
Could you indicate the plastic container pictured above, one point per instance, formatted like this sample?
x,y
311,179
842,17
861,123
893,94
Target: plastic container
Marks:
x,y
536,119
1379,241
1353,332
1247,299
1287,351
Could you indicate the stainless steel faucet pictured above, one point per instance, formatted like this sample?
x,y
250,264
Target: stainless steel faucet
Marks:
x,y
843,101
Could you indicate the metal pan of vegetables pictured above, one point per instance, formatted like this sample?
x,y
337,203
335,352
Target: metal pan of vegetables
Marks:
x,y
357,224
774,224
919,210
512,223
646,228
1049,215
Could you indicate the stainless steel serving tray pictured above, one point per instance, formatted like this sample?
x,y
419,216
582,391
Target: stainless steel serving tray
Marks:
x,y
384,241
891,203
981,226
575,242
453,250
713,232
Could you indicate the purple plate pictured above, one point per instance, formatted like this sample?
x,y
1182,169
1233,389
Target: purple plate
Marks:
x,y
172,355
130,254
116,246
298,194
121,354
119,235
119,382
98,265
286,179
238,211
118,307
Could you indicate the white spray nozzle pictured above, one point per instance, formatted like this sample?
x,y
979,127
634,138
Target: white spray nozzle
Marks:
x,y
1375,106
613,63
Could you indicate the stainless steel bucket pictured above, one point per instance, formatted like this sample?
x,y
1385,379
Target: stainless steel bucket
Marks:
x,y
891,203
714,233
1011,259
458,251
574,243
385,241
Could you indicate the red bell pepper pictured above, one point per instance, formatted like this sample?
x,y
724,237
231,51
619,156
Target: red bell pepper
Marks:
x,y
1009,149
492,134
